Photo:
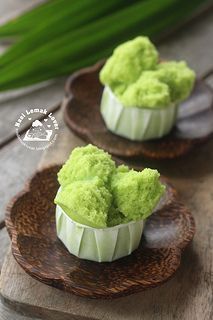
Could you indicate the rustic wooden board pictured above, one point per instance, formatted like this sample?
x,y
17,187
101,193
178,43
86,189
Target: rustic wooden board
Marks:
x,y
18,163
7,314
186,296
4,245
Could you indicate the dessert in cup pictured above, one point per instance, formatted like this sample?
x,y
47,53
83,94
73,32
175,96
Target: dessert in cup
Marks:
x,y
101,208
141,93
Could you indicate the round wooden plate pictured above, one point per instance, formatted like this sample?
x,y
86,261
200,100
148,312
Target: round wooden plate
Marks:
x,y
82,115
30,221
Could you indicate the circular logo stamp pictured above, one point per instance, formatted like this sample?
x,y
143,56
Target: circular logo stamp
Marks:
x,y
42,129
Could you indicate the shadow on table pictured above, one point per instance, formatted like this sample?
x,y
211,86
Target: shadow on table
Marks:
x,y
197,163
168,301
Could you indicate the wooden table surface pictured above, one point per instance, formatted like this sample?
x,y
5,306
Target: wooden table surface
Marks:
x,y
192,176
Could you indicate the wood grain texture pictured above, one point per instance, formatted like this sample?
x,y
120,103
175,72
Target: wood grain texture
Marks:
x,y
7,314
18,164
187,296
60,150
21,162
48,97
82,115
30,220
9,9
4,245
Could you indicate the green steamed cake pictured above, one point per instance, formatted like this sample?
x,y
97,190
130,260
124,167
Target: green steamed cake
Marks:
x,y
86,202
178,77
137,79
127,62
146,91
170,82
96,193
137,193
85,163
115,217
122,168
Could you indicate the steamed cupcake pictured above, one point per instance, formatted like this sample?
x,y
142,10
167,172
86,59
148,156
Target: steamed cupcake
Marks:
x,y
141,94
101,208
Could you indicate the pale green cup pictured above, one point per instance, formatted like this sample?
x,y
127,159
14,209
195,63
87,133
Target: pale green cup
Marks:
x,y
102,245
136,123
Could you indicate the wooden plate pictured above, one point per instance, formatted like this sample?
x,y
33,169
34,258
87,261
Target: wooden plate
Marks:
x,y
30,221
82,115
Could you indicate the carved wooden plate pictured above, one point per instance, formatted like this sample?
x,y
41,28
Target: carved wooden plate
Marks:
x,y
30,221
82,115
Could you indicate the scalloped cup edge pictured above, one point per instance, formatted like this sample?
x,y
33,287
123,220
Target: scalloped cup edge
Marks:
x,y
100,245
137,124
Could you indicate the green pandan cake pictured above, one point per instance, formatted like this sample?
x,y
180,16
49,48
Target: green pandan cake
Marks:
x,y
101,208
141,94
85,164
129,59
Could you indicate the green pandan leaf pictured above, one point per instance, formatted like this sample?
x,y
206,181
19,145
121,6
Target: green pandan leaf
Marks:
x,y
64,47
